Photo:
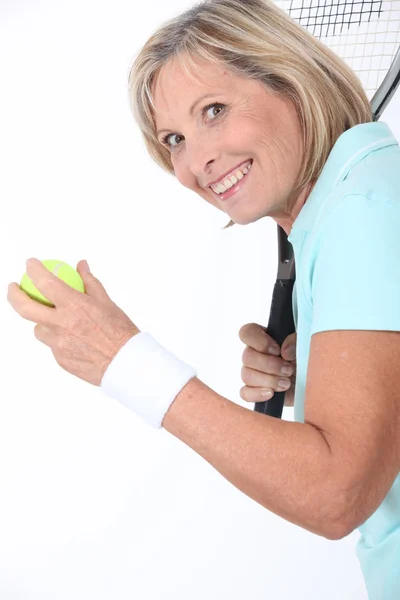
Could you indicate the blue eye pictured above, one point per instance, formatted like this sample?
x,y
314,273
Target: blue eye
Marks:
x,y
166,139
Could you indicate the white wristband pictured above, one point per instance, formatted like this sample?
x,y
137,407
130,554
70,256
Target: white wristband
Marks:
x,y
146,378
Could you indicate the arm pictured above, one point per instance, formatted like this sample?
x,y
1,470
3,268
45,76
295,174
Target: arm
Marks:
x,y
329,474
286,467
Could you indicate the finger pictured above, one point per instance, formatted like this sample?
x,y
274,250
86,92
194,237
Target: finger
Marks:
x,y
289,397
255,395
257,379
291,339
29,309
256,337
266,363
288,350
250,394
52,287
93,286
44,335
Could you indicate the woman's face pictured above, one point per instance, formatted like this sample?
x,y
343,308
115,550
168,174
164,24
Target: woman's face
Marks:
x,y
246,123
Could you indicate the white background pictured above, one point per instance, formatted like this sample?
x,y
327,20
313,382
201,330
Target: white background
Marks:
x,y
94,503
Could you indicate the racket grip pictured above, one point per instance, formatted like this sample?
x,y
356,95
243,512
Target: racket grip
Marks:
x,y
280,325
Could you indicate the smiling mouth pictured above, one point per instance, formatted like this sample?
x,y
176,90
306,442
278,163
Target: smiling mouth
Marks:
x,y
224,192
231,180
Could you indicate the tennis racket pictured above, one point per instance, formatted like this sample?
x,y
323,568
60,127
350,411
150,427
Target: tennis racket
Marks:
x,y
366,35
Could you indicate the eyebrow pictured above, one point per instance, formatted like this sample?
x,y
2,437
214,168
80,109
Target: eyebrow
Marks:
x,y
191,111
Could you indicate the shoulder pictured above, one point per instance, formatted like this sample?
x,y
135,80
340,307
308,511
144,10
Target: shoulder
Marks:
x,y
372,187
377,176
351,258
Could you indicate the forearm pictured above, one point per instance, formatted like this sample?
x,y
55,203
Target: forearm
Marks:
x,y
287,467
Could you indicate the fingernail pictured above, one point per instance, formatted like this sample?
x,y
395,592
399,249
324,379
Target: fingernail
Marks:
x,y
85,266
287,370
274,350
291,352
284,384
266,393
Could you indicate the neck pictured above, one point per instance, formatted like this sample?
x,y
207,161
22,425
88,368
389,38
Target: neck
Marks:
x,y
286,221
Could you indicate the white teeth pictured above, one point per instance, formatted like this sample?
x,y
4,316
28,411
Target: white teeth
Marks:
x,y
222,187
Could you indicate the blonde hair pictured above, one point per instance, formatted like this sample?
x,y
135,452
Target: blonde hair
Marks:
x,y
257,40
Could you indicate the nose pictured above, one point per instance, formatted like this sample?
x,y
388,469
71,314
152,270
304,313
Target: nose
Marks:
x,y
200,161
202,171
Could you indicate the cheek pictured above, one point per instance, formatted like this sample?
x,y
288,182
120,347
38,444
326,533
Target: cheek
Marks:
x,y
187,179
181,173
180,178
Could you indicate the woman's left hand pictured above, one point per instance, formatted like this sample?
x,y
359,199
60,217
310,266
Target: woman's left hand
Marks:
x,y
83,331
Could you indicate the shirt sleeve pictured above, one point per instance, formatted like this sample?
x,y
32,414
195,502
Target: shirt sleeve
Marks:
x,y
355,275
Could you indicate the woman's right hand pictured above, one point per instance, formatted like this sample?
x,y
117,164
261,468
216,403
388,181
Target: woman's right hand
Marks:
x,y
261,371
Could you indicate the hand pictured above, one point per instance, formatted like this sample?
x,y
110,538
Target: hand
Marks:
x,y
83,331
261,370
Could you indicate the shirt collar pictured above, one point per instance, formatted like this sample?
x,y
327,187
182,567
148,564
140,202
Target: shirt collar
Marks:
x,y
350,148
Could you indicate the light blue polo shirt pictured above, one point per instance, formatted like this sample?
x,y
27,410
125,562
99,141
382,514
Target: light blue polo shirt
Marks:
x,y
346,242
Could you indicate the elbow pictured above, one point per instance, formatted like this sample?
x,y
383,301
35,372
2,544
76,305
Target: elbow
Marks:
x,y
332,527
341,514
344,522
351,520
338,528
338,532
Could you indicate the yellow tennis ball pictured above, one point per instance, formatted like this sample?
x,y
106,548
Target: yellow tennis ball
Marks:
x,y
59,268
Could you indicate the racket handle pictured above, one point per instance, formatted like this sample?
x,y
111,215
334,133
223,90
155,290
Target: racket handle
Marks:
x,y
280,325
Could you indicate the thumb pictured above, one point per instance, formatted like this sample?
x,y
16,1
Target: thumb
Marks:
x,y
288,349
93,286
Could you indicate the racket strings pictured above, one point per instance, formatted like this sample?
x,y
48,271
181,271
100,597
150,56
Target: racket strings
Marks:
x,y
366,35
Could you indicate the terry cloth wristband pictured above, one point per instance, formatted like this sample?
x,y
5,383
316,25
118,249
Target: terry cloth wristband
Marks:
x,y
146,378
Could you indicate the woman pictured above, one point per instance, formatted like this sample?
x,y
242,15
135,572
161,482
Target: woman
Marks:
x,y
280,100
258,118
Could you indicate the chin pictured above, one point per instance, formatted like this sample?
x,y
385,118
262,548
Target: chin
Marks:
x,y
244,218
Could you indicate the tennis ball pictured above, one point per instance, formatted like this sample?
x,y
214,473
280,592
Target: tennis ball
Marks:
x,y
59,268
